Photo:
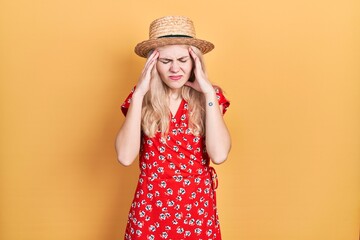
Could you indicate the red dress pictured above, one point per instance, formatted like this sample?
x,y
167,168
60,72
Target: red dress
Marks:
x,y
175,196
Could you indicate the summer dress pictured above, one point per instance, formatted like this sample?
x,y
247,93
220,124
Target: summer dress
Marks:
x,y
175,196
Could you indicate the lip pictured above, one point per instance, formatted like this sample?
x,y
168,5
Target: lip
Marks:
x,y
175,77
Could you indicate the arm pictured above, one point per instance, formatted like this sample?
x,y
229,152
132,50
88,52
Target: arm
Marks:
x,y
218,142
129,136
128,139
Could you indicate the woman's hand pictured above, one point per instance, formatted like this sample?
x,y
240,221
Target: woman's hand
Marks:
x,y
143,85
201,83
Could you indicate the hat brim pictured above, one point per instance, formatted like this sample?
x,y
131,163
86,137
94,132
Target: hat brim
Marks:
x,y
142,49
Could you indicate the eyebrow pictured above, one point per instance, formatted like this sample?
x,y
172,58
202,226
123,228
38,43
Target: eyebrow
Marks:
x,y
169,59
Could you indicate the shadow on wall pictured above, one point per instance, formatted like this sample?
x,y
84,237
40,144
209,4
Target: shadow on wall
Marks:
x,y
119,182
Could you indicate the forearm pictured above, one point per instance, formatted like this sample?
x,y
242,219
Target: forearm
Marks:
x,y
218,142
128,139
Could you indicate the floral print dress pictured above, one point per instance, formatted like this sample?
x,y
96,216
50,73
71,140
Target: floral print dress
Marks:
x,y
175,196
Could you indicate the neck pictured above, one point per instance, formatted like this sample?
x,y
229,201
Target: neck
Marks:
x,y
175,94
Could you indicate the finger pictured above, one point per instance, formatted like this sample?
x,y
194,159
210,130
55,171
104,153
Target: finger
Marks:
x,y
195,57
152,66
192,53
150,52
154,60
152,56
151,61
150,69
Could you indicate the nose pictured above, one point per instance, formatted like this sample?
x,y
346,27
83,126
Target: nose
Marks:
x,y
174,67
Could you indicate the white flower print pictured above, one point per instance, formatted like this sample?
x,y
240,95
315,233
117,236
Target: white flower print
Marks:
x,y
174,197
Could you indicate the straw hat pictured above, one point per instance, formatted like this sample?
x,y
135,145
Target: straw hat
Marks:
x,y
172,30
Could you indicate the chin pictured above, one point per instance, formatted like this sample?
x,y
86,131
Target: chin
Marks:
x,y
175,85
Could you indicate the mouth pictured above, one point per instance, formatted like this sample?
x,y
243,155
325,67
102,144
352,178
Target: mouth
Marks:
x,y
175,77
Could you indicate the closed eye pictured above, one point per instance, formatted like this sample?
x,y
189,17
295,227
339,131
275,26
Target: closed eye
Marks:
x,y
184,59
164,60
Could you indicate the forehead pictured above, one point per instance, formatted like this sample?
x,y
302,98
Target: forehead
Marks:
x,y
174,51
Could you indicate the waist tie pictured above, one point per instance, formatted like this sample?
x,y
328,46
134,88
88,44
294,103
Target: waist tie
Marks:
x,y
214,179
214,182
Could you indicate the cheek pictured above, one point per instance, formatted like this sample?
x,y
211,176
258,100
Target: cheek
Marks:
x,y
188,67
160,68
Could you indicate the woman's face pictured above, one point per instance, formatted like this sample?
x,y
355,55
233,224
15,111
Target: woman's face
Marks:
x,y
174,65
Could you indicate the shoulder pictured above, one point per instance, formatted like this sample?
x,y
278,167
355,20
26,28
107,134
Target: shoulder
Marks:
x,y
126,104
223,101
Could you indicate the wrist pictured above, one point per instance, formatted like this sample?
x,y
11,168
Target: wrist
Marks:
x,y
210,93
138,95
211,98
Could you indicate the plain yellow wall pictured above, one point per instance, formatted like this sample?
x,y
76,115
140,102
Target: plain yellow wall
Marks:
x,y
290,69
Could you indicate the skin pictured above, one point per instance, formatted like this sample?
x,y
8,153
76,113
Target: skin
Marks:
x,y
174,67
174,64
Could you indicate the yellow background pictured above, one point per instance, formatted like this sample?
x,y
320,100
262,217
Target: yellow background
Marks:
x,y
290,69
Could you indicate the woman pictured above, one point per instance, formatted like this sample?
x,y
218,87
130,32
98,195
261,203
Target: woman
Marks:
x,y
174,118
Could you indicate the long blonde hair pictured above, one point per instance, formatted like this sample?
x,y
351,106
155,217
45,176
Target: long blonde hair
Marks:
x,y
156,113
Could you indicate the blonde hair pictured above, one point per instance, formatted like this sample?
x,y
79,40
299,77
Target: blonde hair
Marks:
x,y
156,113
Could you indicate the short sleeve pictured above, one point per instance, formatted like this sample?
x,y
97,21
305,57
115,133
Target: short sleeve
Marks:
x,y
223,101
126,104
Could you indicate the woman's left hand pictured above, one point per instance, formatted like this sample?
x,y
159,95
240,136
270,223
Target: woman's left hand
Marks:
x,y
201,83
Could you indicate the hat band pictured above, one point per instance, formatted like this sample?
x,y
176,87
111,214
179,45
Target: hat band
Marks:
x,y
175,36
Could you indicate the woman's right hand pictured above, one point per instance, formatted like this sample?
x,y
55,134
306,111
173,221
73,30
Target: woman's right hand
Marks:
x,y
143,85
